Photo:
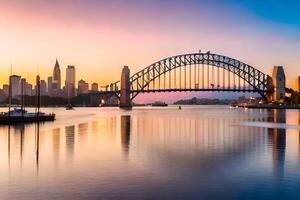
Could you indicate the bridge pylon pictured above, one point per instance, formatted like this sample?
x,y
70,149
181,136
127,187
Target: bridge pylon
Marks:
x,y
278,77
125,100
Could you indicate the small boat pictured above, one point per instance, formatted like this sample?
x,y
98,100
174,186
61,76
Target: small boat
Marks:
x,y
23,116
159,103
69,107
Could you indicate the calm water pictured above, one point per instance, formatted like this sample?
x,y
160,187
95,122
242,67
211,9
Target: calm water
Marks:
x,y
203,152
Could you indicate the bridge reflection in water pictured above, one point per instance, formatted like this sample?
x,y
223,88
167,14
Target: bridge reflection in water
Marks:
x,y
199,143
206,136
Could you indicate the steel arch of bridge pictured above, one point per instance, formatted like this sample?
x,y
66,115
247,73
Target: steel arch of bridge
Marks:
x,y
259,82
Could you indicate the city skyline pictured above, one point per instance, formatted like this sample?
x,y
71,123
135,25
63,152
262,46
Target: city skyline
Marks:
x,y
97,42
51,87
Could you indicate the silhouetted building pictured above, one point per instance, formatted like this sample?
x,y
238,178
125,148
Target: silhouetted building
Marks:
x,y
94,87
83,87
70,81
6,90
43,87
28,89
49,89
56,90
15,85
2,96
56,80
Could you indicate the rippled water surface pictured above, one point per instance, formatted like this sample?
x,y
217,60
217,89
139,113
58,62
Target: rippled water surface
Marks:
x,y
200,152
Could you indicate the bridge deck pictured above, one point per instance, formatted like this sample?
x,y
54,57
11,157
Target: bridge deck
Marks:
x,y
200,89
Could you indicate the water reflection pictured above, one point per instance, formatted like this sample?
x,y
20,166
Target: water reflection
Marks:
x,y
277,138
19,130
191,153
37,136
125,133
83,129
70,140
56,143
8,144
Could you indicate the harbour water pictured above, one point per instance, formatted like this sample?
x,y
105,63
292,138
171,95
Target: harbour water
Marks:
x,y
198,152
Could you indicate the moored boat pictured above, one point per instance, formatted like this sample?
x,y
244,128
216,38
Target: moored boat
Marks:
x,y
20,115
69,107
159,103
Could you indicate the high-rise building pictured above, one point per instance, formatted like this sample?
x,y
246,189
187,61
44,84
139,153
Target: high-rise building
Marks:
x,y
15,85
6,90
2,95
83,87
43,87
70,81
28,89
297,84
49,89
94,87
56,79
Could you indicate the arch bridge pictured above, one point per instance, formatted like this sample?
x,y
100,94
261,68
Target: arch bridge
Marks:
x,y
192,72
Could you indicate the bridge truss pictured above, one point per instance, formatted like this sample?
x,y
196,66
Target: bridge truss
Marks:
x,y
198,72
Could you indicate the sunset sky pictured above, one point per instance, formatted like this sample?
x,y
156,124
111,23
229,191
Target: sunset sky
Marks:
x,y
99,37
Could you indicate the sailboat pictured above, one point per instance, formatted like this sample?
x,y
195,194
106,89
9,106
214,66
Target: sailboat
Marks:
x,y
20,115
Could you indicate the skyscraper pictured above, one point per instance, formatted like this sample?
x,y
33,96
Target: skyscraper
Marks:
x,y
15,85
56,79
70,81
43,87
28,89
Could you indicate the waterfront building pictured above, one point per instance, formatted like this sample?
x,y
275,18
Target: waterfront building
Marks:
x,y
15,85
94,87
83,87
70,81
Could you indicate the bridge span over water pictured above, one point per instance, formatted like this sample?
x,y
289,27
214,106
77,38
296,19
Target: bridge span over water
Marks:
x,y
196,72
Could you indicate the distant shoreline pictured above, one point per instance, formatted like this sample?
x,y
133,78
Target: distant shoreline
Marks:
x,y
297,107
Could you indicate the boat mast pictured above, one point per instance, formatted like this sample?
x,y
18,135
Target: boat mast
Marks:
x,y
10,90
9,95
38,94
22,95
68,94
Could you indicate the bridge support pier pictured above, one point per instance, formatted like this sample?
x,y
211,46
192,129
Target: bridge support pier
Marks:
x,y
125,100
278,77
